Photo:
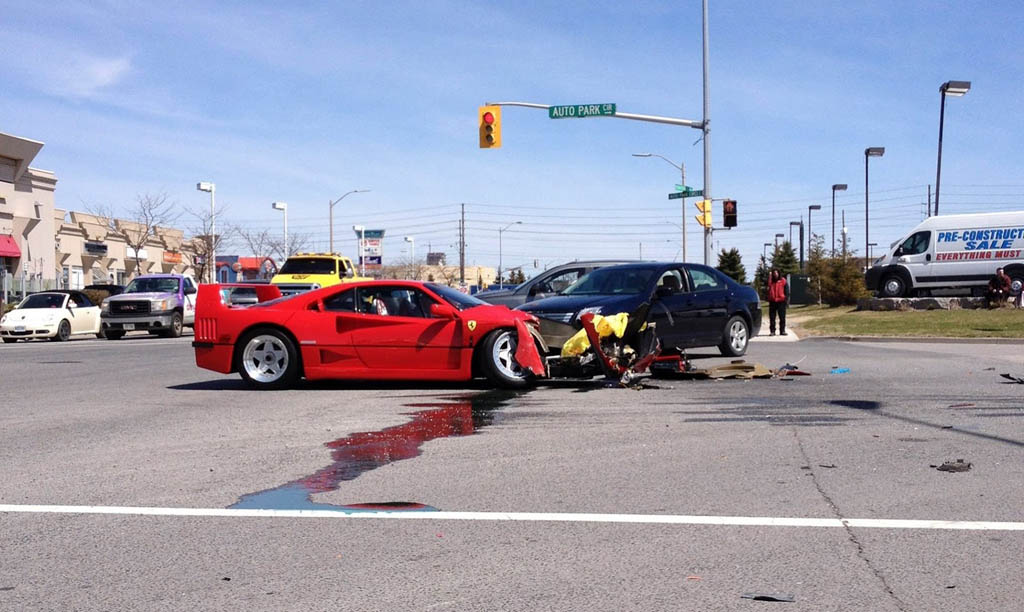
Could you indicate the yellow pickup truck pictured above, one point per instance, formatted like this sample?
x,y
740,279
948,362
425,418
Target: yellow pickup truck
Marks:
x,y
307,271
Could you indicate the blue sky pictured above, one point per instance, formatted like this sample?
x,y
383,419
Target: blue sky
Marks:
x,y
302,102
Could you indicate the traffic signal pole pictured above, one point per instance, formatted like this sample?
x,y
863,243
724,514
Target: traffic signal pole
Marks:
x,y
706,128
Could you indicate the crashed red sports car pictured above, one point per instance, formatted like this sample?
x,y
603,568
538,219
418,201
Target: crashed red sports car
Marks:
x,y
383,330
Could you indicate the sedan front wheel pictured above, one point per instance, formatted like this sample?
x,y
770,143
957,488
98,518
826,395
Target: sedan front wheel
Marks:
x,y
735,337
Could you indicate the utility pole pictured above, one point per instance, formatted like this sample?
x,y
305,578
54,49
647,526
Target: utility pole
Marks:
x,y
929,199
706,127
462,247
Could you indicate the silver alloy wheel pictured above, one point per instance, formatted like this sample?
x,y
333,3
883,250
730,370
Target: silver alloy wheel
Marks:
x,y
265,358
738,336
63,331
503,355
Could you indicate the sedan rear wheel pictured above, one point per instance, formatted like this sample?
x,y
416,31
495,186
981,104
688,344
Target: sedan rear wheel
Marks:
x,y
498,360
735,337
268,359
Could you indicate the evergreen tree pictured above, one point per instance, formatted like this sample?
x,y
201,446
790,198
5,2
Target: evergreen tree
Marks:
x,y
761,278
818,267
845,281
784,260
730,263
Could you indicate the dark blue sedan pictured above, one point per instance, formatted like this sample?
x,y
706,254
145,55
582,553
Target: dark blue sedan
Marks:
x,y
692,305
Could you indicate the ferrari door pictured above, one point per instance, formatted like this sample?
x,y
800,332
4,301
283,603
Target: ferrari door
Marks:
x,y
396,331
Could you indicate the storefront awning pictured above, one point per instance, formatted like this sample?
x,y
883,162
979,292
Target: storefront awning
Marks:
x,y
8,247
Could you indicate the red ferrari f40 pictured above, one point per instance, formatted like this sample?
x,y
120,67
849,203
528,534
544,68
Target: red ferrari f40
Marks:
x,y
375,330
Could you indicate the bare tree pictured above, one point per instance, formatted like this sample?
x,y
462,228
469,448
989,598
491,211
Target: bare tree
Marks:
x,y
297,242
200,225
140,223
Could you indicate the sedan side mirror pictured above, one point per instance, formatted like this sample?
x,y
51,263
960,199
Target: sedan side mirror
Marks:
x,y
442,311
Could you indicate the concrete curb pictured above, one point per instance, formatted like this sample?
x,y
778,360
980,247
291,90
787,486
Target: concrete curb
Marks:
x,y
919,339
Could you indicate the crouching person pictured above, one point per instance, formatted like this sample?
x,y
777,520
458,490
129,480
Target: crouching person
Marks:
x,y
998,289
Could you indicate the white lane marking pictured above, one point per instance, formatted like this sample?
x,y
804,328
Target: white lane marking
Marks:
x,y
659,519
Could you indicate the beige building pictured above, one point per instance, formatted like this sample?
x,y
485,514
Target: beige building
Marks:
x,y
26,214
93,250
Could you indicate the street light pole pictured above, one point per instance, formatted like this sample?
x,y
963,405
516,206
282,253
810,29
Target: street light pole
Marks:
x,y
868,153
706,127
212,264
682,173
810,234
764,252
412,247
777,236
330,206
949,88
282,206
835,188
501,283
800,224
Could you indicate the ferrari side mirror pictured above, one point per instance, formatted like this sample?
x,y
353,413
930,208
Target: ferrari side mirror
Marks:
x,y
442,311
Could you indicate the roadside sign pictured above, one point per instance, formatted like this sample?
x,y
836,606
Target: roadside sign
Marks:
x,y
675,196
687,193
683,188
579,111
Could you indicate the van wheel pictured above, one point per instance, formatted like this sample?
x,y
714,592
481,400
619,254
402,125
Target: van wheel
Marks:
x,y
1016,280
893,286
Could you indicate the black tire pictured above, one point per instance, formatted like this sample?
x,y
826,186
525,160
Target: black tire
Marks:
x,y
735,337
497,360
102,333
63,331
1016,279
174,331
266,358
10,340
114,334
893,286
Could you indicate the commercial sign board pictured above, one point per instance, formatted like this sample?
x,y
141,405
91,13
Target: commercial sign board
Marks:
x,y
172,257
97,249
371,249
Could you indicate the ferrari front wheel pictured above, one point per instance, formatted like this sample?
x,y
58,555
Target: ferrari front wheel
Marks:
x,y
498,360
267,359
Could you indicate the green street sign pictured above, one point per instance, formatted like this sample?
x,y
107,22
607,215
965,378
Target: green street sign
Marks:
x,y
675,196
687,193
683,188
580,111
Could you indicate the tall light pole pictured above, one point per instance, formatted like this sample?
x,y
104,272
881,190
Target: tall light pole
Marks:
x,y
810,234
799,224
361,230
412,247
331,214
682,181
501,283
835,188
949,88
870,251
706,127
212,189
868,153
764,252
283,207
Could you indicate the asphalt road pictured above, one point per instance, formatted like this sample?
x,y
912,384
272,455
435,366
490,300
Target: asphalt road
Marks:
x,y
122,462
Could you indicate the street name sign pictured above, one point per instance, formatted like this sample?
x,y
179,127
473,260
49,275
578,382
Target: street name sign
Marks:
x,y
688,193
579,111
675,196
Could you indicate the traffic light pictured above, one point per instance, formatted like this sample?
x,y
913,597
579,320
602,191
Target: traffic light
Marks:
x,y
704,218
729,213
490,127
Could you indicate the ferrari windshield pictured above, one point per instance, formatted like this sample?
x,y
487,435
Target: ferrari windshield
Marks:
x,y
310,265
613,280
153,285
43,300
456,298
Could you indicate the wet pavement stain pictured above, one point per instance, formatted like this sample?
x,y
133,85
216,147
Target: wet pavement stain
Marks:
x,y
361,452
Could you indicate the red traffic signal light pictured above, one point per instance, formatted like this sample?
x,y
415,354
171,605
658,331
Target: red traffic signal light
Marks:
x,y
490,127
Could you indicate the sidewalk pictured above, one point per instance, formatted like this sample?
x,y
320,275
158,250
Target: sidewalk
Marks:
x,y
764,337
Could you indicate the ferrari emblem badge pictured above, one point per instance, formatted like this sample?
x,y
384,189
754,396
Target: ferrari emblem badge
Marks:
x,y
471,325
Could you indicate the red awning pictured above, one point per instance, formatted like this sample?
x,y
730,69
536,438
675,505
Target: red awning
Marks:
x,y
8,247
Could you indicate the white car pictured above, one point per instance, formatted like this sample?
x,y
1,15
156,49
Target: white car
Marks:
x,y
57,315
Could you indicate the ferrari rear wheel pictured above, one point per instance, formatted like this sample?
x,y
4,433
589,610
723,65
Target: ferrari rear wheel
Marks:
x,y
498,360
268,359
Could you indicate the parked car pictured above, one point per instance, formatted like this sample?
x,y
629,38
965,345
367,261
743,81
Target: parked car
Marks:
x,y
56,315
546,284
692,305
110,289
382,330
158,303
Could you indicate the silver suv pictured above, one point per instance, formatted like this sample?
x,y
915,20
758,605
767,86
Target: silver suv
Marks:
x,y
546,284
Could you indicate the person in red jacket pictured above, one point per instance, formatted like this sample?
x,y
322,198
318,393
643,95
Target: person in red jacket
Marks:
x,y
778,294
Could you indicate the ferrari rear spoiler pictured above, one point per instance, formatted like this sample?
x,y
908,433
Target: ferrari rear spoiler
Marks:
x,y
217,296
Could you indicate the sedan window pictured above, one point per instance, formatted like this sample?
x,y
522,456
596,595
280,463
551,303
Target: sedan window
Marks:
x,y
705,281
613,281
43,300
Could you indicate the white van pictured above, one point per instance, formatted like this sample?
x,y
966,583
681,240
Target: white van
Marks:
x,y
952,251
